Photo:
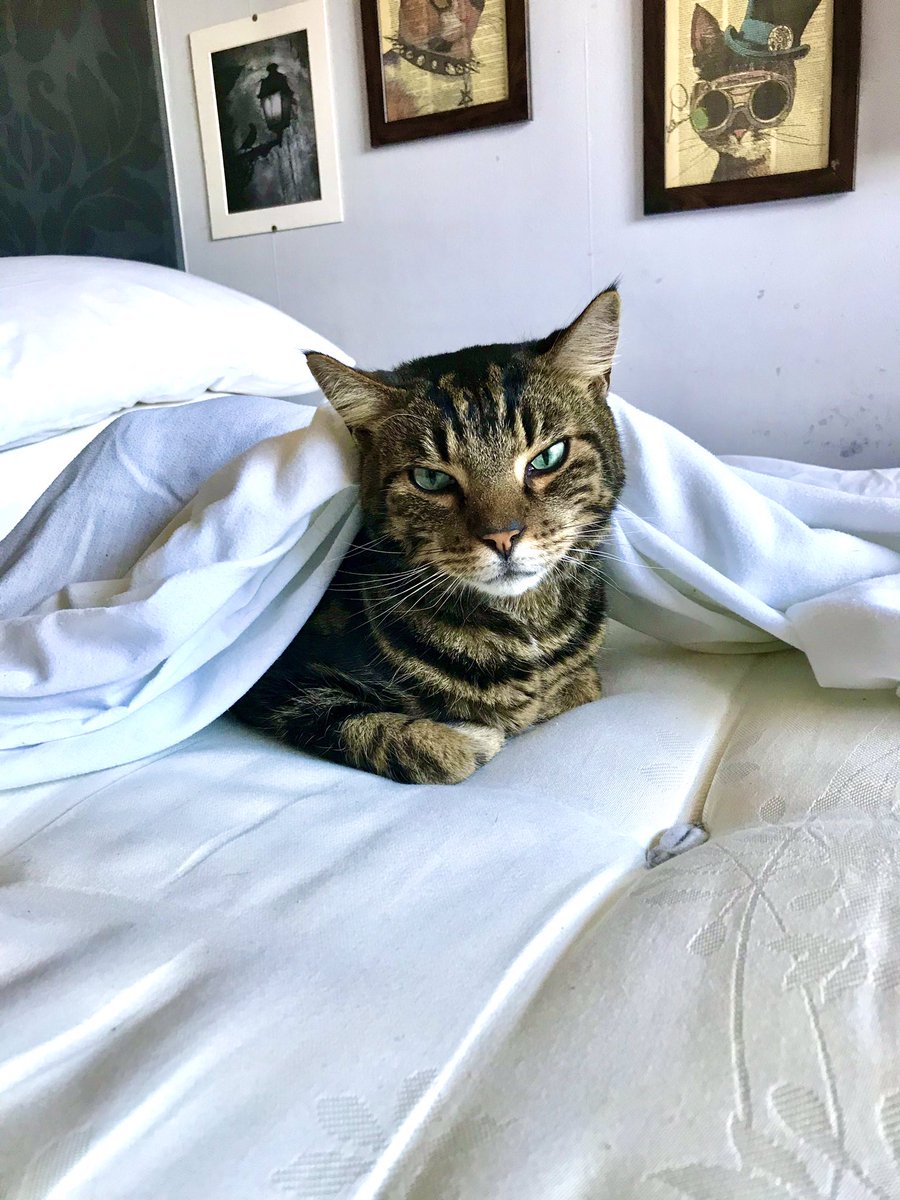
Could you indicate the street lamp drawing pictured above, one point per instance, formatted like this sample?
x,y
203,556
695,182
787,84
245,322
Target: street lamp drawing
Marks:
x,y
276,100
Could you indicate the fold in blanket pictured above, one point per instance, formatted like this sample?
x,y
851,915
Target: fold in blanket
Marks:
x,y
161,574
726,555
176,557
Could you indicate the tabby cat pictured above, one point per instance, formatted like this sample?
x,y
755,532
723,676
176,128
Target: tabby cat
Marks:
x,y
470,606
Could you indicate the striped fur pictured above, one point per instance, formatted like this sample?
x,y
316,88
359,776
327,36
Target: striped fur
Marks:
x,y
434,643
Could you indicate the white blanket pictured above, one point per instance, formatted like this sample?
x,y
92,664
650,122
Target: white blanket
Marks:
x,y
160,574
174,560
724,555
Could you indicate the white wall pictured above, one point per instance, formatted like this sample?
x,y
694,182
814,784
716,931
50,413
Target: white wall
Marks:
x,y
771,329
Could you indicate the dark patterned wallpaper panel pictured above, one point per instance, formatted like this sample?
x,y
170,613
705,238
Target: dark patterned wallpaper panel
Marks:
x,y
82,161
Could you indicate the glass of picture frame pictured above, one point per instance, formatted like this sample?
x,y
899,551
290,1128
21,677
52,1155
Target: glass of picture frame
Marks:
x,y
748,100
443,66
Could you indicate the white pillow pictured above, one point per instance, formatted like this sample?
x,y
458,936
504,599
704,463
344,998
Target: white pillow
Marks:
x,y
82,339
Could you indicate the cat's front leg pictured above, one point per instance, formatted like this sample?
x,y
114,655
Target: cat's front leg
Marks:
x,y
343,724
361,724
582,687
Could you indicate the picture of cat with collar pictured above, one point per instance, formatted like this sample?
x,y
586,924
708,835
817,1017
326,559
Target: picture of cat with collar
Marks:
x,y
441,55
749,95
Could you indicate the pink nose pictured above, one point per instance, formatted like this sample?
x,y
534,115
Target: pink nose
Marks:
x,y
502,540
739,132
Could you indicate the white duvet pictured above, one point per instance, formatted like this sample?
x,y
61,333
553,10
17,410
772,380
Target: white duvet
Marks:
x,y
171,563
726,554
160,573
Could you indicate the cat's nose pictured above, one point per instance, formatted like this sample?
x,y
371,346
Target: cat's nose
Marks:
x,y
739,131
502,540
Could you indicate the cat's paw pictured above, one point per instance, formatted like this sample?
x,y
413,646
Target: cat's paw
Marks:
x,y
418,751
438,753
675,841
583,688
486,739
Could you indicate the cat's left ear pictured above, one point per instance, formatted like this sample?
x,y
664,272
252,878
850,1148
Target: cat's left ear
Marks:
x,y
586,349
361,400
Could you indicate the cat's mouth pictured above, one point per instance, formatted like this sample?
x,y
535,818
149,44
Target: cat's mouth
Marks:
x,y
508,580
745,144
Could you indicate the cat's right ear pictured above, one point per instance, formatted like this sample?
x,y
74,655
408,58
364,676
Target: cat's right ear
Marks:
x,y
361,400
587,348
706,34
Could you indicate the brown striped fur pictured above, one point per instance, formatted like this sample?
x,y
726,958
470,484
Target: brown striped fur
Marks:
x,y
460,617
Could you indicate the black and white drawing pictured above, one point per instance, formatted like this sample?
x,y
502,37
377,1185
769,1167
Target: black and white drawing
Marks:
x,y
266,121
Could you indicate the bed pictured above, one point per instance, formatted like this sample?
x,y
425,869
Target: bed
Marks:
x,y
233,971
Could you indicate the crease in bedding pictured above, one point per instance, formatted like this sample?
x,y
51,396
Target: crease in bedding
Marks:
x,y
182,595
538,959
214,529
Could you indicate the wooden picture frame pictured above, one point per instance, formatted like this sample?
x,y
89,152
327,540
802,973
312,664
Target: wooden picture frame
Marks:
x,y
404,75
756,54
266,108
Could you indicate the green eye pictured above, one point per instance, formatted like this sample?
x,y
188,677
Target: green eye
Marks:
x,y
431,481
549,459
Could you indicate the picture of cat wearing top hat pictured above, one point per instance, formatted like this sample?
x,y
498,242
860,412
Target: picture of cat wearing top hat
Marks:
x,y
749,106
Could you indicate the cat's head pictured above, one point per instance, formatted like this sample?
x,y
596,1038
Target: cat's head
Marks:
x,y
491,465
738,102
447,27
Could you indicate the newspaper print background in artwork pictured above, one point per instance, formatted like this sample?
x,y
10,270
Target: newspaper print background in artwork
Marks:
x,y
442,55
701,145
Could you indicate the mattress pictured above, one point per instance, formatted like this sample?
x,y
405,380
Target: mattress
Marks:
x,y
231,971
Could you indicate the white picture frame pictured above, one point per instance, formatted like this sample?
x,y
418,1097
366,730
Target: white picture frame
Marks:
x,y
265,103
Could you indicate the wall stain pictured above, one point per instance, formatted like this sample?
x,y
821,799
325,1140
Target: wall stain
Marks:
x,y
852,441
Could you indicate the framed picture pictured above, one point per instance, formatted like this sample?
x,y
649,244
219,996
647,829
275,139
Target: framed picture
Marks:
x,y
441,66
266,108
748,100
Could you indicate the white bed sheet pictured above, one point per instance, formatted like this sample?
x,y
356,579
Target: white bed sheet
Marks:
x,y
145,631
729,1027
232,971
27,471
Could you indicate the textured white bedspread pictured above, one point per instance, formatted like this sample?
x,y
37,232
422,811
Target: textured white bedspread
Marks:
x,y
232,972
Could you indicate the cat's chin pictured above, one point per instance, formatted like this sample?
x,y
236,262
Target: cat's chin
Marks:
x,y
751,151
508,584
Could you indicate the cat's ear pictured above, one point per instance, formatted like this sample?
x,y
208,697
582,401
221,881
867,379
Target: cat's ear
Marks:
x,y
706,34
587,348
361,400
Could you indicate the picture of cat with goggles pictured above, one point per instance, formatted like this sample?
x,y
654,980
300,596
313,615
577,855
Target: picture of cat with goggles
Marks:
x,y
754,107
